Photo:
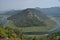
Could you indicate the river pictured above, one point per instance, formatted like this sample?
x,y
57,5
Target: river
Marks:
x,y
57,29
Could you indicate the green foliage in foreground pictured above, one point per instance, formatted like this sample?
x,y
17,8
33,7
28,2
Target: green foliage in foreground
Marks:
x,y
9,33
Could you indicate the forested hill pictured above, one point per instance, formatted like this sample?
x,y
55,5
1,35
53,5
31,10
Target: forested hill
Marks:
x,y
30,17
53,11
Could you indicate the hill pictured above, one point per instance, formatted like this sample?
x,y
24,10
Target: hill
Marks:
x,y
9,12
2,12
31,17
53,11
12,12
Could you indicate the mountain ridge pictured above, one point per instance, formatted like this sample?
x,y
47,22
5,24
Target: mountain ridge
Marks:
x,y
29,17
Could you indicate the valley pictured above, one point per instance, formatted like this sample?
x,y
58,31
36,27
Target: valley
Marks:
x,y
30,24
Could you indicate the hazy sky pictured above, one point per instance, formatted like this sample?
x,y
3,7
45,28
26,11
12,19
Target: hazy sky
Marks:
x,y
22,4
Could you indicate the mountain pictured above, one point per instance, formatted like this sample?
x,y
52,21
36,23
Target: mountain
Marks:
x,y
12,12
53,11
30,17
2,12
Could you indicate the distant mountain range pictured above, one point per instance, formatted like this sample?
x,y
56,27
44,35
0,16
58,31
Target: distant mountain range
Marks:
x,y
53,11
2,12
12,12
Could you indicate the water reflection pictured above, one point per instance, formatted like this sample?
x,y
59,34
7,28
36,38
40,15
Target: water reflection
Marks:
x,y
4,21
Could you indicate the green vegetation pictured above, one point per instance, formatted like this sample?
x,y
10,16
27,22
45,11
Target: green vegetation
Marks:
x,y
11,32
28,20
8,33
58,18
31,17
29,29
0,21
54,36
